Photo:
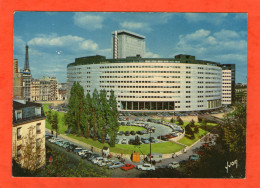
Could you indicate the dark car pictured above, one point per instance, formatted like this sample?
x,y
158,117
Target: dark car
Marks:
x,y
122,123
140,132
152,140
132,132
71,147
128,123
86,155
121,133
131,141
127,133
163,138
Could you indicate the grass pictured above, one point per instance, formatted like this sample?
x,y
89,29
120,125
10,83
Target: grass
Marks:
x,y
198,135
165,147
62,127
130,128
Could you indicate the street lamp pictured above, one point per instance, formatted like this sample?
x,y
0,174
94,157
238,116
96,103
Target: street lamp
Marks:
x,y
150,130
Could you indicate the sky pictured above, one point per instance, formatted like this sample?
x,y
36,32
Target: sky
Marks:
x,y
55,39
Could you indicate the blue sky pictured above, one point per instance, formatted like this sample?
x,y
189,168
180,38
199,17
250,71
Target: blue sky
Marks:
x,y
55,39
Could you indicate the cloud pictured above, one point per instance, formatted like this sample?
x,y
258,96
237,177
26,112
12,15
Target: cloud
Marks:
x,y
212,18
225,46
87,21
135,25
149,54
67,43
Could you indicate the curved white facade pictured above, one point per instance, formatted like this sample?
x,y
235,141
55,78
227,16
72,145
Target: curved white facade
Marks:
x,y
153,84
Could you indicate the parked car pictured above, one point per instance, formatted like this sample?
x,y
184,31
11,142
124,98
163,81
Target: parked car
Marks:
x,y
65,144
84,151
140,132
71,147
96,160
145,166
121,133
127,133
86,156
131,141
77,150
174,164
53,139
127,167
128,123
132,132
194,157
103,162
116,141
152,140
59,142
116,164
154,157
93,156
145,141
124,141
122,123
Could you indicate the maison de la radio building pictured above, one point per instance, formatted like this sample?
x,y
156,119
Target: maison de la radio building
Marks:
x,y
179,84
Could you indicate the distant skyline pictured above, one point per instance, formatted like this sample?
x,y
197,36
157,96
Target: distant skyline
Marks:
x,y
55,39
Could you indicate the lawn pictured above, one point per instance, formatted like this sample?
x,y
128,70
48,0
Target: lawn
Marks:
x,y
165,147
62,127
189,142
130,128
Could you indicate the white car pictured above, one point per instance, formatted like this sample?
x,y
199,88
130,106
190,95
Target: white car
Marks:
x,y
104,162
83,152
173,165
116,164
96,160
145,166
53,140
124,141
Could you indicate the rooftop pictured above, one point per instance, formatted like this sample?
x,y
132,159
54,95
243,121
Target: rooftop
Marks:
x,y
98,59
120,32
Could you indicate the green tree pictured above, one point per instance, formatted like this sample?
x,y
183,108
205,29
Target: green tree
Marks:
x,y
102,111
192,123
75,108
113,125
94,113
180,121
54,123
49,116
189,132
196,129
86,118
172,120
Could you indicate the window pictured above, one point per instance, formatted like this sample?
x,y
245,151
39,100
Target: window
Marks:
x,y
19,135
38,128
18,152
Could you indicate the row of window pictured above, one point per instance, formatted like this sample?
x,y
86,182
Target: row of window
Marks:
x,y
108,81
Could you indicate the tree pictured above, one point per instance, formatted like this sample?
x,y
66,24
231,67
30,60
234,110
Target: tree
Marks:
x,y
31,153
196,129
75,108
102,112
113,125
192,123
179,120
55,122
49,117
188,131
172,120
86,118
137,141
94,115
